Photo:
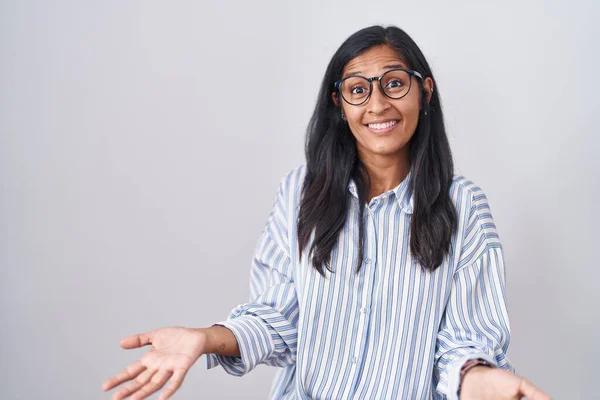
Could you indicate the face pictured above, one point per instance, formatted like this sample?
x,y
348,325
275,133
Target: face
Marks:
x,y
382,126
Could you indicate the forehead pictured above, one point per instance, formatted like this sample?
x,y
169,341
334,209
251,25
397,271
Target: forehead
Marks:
x,y
373,61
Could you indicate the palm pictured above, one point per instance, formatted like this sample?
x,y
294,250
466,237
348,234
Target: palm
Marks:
x,y
173,348
174,351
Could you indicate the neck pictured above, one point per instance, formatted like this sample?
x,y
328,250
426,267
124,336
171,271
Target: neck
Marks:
x,y
385,173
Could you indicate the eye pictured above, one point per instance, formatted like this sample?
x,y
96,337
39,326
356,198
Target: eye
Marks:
x,y
358,90
394,83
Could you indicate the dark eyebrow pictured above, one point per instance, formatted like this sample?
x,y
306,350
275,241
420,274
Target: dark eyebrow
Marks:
x,y
392,66
352,74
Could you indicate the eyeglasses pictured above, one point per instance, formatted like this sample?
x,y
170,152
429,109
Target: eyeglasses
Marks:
x,y
395,84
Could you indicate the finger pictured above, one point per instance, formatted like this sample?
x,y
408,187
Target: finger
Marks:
x,y
134,385
130,372
174,385
531,392
158,380
138,340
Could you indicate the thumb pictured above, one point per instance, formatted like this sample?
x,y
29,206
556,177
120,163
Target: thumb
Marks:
x,y
531,392
137,340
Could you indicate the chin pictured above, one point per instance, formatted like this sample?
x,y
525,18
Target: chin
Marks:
x,y
385,152
387,149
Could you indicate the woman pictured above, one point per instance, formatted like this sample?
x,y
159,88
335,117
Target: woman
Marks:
x,y
379,273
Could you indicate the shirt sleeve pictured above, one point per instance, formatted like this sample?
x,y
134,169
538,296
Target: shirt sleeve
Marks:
x,y
475,323
266,328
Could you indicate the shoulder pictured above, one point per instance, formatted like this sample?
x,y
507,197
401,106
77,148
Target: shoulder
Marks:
x,y
477,227
295,174
290,186
473,209
467,195
293,179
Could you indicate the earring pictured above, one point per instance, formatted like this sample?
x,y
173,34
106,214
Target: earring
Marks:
x,y
343,116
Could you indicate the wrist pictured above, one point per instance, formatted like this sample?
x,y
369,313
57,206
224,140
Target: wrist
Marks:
x,y
220,340
207,339
476,372
473,370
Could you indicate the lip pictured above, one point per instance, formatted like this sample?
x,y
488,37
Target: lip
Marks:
x,y
380,131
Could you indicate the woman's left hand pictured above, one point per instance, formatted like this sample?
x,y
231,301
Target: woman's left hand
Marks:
x,y
484,383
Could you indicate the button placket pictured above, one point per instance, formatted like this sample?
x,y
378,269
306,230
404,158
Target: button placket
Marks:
x,y
362,308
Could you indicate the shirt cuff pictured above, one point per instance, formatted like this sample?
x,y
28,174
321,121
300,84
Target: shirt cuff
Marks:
x,y
254,341
455,367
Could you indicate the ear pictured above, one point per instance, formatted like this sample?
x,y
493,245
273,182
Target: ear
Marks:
x,y
428,86
336,101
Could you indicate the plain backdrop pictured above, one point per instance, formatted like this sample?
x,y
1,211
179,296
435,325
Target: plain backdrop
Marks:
x,y
142,142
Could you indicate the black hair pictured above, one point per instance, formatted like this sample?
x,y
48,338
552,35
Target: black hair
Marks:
x,y
332,161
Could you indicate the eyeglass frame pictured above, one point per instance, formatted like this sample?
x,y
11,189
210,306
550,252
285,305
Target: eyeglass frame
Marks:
x,y
410,72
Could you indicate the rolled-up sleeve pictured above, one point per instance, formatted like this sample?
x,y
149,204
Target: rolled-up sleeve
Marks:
x,y
475,323
266,327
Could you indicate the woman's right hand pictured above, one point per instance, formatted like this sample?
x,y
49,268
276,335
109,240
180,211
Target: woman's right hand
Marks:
x,y
174,351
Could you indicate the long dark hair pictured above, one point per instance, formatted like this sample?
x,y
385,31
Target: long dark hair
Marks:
x,y
332,161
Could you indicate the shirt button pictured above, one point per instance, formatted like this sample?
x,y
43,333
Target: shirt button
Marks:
x,y
364,310
367,261
353,360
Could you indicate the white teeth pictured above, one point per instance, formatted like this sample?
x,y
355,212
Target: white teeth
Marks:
x,y
385,125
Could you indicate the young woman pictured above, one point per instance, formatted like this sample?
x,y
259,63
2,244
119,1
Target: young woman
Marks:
x,y
380,274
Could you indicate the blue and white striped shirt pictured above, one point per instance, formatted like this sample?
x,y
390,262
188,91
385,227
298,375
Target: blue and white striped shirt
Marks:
x,y
394,331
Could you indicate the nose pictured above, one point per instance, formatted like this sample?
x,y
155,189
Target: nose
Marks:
x,y
379,102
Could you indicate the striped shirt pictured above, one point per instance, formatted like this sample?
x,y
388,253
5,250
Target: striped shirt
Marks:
x,y
392,331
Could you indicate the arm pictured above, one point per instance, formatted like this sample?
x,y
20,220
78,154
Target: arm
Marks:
x,y
475,323
266,327
261,331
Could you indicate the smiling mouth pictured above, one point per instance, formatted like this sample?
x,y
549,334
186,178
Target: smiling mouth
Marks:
x,y
382,126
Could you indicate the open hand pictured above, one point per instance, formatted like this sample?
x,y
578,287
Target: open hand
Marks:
x,y
484,383
174,350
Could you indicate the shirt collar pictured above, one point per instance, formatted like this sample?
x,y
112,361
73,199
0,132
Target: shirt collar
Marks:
x,y
403,193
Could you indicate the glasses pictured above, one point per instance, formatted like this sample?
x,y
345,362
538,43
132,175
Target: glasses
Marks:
x,y
395,84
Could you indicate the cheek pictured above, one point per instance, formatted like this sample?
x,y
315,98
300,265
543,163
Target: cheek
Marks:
x,y
410,112
412,102
411,118
354,120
